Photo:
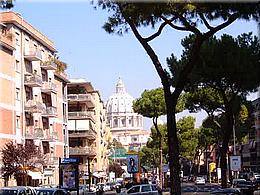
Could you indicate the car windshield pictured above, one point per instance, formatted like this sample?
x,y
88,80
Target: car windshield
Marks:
x,y
7,192
245,182
44,192
146,188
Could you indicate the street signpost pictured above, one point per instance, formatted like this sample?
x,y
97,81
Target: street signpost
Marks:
x,y
235,163
133,164
69,173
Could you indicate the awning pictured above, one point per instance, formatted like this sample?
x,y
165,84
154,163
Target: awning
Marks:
x,y
100,174
35,175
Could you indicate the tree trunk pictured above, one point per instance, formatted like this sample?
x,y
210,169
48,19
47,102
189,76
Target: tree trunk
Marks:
x,y
227,132
155,123
173,143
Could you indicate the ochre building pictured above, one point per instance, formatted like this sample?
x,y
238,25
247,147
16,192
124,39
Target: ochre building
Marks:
x,y
33,95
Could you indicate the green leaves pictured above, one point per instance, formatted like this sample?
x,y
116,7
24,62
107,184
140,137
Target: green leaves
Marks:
x,y
6,4
188,137
151,103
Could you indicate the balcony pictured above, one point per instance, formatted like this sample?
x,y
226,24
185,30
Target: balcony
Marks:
x,y
49,65
33,106
33,80
50,112
82,115
49,87
83,151
89,134
34,132
54,135
32,55
7,39
86,98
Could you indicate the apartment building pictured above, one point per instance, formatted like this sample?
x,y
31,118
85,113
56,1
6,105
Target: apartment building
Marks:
x,y
87,129
33,88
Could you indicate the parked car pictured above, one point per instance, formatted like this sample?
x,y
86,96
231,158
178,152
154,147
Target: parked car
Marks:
x,y
200,181
247,187
51,191
235,181
17,190
143,190
227,191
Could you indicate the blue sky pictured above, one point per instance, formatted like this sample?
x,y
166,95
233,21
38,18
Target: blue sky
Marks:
x,y
91,53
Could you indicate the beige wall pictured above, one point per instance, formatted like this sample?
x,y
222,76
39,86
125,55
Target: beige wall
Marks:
x,y
11,78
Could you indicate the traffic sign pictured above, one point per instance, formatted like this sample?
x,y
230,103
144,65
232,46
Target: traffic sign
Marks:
x,y
235,163
132,163
69,160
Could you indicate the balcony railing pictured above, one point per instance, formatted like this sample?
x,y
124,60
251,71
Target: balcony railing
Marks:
x,y
84,151
34,107
34,132
89,134
32,55
49,65
33,80
50,111
87,98
81,115
49,87
7,39
54,135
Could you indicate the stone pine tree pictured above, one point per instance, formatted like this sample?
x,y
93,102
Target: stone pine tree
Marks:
x,y
6,4
151,104
196,18
228,69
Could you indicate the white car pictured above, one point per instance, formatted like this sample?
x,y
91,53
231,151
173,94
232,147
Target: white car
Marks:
x,y
144,189
200,181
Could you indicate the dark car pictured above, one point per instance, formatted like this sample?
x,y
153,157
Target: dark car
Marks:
x,y
227,191
17,190
247,187
51,191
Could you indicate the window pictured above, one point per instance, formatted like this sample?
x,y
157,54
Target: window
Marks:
x,y
146,188
134,189
130,121
17,66
17,121
123,122
17,94
28,119
115,123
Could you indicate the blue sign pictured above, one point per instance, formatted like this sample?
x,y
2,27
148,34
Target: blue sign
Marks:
x,y
69,160
165,168
132,163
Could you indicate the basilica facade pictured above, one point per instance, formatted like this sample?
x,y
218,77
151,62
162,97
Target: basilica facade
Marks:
x,y
126,125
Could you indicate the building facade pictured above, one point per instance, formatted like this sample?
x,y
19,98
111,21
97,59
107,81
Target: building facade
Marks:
x,y
32,93
126,125
87,129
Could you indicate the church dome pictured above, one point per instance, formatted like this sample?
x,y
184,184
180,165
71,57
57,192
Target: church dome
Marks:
x,y
120,101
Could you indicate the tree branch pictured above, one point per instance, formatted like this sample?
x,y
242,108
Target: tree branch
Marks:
x,y
155,123
231,19
187,24
150,38
169,22
205,21
161,72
